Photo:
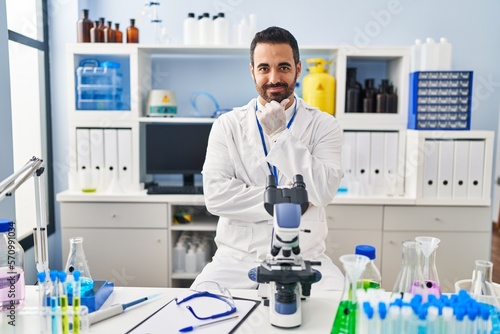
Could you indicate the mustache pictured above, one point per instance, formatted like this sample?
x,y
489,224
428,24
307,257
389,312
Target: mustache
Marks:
x,y
279,84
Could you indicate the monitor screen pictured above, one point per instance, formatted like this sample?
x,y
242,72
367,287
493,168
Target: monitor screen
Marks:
x,y
176,148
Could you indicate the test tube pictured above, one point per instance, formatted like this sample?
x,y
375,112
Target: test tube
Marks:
x,y
63,299
54,302
76,301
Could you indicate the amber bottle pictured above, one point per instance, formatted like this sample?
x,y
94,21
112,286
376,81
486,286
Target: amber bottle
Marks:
x,y
109,33
83,27
118,34
97,32
132,33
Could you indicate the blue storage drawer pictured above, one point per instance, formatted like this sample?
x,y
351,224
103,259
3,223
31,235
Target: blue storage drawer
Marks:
x,y
440,100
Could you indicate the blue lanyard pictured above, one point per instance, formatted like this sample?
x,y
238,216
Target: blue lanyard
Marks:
x,y
273,170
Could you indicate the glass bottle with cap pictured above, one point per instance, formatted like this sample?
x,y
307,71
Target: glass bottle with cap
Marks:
x,y
12,282
371,278
132,32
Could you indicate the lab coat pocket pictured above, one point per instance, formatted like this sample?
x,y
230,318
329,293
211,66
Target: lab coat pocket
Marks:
x,y
234,239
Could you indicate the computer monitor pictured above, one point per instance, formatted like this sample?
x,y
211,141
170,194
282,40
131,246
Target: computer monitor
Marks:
x,y
176,148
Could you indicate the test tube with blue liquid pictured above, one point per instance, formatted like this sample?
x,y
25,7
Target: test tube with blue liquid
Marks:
x,y
54,302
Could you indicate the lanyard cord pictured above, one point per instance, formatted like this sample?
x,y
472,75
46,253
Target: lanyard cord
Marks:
x,y
273,170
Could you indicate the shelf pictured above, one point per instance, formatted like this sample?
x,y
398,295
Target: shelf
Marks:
x,y
195,226
190,276
176,120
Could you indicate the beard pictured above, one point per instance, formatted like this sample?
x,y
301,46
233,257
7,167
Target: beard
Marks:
x,y
276,96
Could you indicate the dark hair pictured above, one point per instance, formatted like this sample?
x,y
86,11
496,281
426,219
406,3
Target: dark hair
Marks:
x,y
275,35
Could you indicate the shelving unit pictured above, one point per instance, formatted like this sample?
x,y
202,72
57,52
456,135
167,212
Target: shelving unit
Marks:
x,y
144,224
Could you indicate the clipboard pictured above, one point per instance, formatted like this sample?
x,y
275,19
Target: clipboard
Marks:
x,y
171,317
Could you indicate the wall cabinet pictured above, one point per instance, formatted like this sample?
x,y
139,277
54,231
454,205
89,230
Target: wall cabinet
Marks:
x,y
130,236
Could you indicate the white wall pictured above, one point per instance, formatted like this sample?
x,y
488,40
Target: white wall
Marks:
x,y
472,28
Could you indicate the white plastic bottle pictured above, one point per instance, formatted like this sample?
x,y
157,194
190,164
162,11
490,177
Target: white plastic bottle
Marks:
x,y
190,30
200,257
179,257
205,26
252,25
430,55
445,52
243,32
191,261
416,54
221,30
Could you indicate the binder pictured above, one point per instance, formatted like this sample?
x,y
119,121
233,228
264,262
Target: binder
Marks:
x,y
445,169
476,169
125,157
348,162
363,161
431,153
391,176
377,168
96,149
110,174
83,149
460,168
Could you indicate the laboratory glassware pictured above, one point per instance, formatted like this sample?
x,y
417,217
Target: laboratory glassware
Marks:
x,y
132,32
481,285
429,270
353,92
83,27
78,261
109,33
345,319
12,283
118,34
371,278
410,278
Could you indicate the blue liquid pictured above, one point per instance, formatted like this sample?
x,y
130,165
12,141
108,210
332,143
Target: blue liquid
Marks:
x,y
86,286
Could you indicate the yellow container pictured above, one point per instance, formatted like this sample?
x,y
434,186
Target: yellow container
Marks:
x,y
318,87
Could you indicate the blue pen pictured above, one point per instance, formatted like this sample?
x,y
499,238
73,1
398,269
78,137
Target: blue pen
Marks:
x,y
190,328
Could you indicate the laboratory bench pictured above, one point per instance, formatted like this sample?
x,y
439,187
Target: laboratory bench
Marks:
x,y
129,238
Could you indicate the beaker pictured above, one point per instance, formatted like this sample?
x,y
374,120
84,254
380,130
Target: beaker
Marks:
x,y
482,285
78,261
345,319
410,278
429,270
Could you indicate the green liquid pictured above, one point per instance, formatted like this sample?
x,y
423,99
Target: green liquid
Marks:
x,y
345,320
367,284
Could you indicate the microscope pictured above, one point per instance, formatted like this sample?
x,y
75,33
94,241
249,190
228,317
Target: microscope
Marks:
x,y
285,277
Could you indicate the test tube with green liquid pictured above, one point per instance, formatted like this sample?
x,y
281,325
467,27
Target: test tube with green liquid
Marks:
x,y
76,301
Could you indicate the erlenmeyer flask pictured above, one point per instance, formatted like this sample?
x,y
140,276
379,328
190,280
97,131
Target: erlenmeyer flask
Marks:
x,y
78,261
410,278
429,270
345,319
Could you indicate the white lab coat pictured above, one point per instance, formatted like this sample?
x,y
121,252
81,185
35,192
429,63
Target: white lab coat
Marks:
x,y
234,180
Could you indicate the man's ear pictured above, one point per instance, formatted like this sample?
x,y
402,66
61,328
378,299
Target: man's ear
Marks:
x,y
299,69
251,71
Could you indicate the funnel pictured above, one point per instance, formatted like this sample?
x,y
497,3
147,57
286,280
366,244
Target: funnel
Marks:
x,y
428,244
354,265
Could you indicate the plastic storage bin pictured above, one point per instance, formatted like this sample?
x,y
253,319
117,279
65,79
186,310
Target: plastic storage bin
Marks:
x,y
99,86
440,100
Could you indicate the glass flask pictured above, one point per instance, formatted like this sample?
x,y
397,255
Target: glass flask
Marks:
x,y
118,34
410,278
481,284
429,270
371,278
132,33
78,261
345,319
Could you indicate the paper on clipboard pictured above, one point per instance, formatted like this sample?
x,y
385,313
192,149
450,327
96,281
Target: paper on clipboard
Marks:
x,y
172,317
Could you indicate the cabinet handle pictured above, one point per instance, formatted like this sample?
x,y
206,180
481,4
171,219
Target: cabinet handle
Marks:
x,y
392,242
158,241
437,220
113,215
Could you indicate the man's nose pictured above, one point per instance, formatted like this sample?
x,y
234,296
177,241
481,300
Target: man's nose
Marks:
x,y
274,77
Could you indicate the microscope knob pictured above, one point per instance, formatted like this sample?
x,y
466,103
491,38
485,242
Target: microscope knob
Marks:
x,y
296,250
252,274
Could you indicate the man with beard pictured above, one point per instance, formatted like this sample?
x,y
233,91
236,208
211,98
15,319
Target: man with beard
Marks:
x,y
275,134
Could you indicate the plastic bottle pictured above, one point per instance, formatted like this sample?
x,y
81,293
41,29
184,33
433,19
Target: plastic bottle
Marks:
x,y
445,52
430,55
132,33
205,26
221,30
109,33
190,30
353,92
179,257
370,279
118,34
416,55
252,26
200,257
12,282
83,27
243,32
191,261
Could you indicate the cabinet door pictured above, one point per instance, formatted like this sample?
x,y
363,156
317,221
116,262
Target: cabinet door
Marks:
x,y
127,257
340,242
456,255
